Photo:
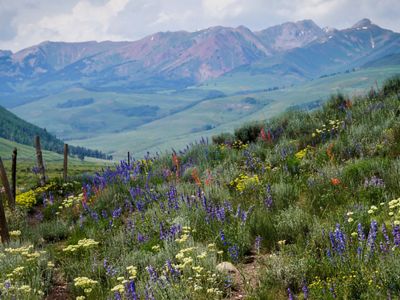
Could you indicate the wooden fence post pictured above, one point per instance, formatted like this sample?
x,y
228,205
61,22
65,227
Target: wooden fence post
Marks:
x,y
39,157
4,235
14,174
129,158
6,185
65,162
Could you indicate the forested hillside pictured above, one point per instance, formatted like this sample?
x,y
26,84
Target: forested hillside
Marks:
x,y
15,129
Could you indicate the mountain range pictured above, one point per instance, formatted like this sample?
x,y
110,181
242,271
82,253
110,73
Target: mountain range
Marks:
x,y
80,91
180,59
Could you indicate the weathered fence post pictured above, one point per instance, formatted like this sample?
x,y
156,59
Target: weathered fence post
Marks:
x,y
4,235
129,158
65,162
14,174
40,161
6,185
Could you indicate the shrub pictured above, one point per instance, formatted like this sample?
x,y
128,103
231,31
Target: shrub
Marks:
x,y
391,86
249,133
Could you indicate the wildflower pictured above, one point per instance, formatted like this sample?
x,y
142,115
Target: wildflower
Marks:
x,y
335,181
84,282
15,233
282,242
118,288
258,243
370,211
350,220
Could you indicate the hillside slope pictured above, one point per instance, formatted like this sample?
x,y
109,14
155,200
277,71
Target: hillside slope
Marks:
x,y
303,206
18,130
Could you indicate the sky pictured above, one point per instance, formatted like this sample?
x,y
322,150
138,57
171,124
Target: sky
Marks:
x,y
24,23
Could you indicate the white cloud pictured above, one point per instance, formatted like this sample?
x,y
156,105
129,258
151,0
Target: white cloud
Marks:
x,y
85,21
221,9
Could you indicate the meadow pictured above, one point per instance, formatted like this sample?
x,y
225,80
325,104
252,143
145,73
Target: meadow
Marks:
x,y
302,206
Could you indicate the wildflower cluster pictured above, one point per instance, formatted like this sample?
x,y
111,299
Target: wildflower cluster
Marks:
x,y
29,198
243,182
86,284
333,126
17,266
82,244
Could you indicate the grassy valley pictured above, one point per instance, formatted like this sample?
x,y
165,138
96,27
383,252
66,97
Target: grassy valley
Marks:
x,y
212,116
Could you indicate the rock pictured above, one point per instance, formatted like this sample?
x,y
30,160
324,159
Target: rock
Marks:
x,y
227,267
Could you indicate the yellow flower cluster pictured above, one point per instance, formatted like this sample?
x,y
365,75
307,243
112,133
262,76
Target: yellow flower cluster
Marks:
x,y
333,124
301,153
132,272
29,198
243,182
118,288
71,201
84,282
82,244
15,233
238,144
17,272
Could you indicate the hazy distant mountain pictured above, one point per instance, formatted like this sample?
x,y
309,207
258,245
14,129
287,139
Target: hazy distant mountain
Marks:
x,y
180,59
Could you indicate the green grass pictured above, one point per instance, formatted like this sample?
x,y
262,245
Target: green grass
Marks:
x,y
26,160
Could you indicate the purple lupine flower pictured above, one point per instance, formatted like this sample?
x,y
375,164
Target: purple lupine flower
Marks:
x,y
117,296
148,293
94,215
305,290
174,272
396,235
117,213
220,214
104,214
374,182
234,253
360,231
359,252
290,295
131,291
152,272
257,243
109,269
372,236
141,238
222,237
385,247
268,200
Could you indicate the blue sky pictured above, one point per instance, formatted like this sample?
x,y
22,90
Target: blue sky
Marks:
x,y
28,22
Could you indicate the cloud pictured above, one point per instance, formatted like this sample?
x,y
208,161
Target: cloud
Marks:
x,y
27,22
85,21
221,9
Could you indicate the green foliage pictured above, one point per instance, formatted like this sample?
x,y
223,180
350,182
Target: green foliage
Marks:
x,y
249,133
20,131
314,209
391,86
